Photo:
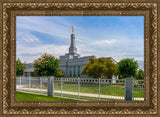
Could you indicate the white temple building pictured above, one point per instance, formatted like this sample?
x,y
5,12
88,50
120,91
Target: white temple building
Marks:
x,y
72,63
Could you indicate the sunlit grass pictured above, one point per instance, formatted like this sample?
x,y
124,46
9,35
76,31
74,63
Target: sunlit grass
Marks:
x,y
20,96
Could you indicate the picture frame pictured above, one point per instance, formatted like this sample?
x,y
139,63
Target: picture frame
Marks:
x,y
11,9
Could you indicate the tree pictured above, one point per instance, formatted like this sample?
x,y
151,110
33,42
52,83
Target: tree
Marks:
x,y
100,68
60,74
140,74
19,68
46,65
127,68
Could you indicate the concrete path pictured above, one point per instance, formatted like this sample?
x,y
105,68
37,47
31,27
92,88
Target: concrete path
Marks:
x,y
80,94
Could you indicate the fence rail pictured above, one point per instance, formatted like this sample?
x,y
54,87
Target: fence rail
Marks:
x,y
81,88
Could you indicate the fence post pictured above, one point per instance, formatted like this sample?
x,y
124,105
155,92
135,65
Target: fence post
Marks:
x,y
50,86
128,89
99,87
78,87
61,87
20,83
53,86
29,84
41,85
133,90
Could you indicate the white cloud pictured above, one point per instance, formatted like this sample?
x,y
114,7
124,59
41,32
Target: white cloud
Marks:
x,y
118,48
103,42
139,58
26,37
29,54
44,26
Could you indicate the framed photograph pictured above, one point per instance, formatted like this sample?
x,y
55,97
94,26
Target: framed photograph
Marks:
x,y
87,58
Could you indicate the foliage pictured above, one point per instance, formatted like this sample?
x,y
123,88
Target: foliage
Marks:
x,y
60,74
100,68
140,74
127,68
46,65
19,68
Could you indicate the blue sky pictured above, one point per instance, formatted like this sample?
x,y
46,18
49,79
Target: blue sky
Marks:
x,y
103,36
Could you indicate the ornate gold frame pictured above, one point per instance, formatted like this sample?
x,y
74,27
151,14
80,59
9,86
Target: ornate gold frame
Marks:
x,y
11,9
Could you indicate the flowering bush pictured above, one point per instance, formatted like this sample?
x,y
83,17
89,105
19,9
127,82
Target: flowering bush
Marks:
x,y
46,65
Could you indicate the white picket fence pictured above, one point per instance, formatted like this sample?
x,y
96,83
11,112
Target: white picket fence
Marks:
x,y
80,88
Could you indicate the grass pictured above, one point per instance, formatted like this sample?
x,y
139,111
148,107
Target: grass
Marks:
x,y
20,96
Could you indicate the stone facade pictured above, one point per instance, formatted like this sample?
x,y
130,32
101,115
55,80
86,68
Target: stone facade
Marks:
x,y
72,64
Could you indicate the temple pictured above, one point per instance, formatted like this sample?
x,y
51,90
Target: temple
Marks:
x,y
72,63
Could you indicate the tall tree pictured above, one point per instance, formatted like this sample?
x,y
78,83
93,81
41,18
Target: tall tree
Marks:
x,y
19,68
127,68
100,68
46,65
140,74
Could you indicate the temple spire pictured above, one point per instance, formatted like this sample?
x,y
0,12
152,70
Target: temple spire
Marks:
x,y
72,48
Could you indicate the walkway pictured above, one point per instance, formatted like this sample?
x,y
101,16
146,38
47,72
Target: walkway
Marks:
x,y
80,94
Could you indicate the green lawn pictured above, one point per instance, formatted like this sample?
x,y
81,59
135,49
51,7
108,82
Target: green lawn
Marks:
x,y
20,96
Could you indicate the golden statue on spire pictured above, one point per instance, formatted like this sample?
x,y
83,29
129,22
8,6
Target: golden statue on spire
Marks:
x,y
72,29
